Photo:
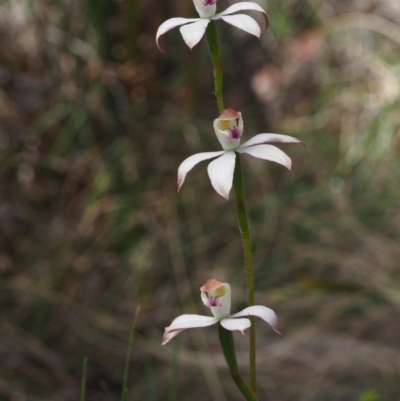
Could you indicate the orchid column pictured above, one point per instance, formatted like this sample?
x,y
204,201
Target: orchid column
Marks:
x,y
226,170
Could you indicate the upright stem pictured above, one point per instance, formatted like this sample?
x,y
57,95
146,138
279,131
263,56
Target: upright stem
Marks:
x,y
228,348
245,232
213,46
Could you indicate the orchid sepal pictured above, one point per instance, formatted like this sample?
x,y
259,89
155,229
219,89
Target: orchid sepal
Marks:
x,y
171,24
244,5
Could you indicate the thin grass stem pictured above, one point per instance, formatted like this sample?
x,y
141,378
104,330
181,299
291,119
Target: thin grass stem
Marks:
x,y
238,188
125,390
173,393
83,384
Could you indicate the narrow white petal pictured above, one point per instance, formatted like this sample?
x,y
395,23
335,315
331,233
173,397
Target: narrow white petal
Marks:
x,y
247,5
270,138
244,22
171,24
236,324
191,161
186,322
221,171
193,33
189,321
167,337
268,152
264,313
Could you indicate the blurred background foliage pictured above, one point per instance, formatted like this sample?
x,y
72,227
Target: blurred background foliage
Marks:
x,y
94,122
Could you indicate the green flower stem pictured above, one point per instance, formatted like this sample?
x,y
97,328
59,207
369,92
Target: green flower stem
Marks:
x,y
213,46
238,188
228,348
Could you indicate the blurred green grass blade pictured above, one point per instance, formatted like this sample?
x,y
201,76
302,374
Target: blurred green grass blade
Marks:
x,y
124,396
131,15
173,394
152,394
68,133
107,390
50,117
83,385
369,396
100,12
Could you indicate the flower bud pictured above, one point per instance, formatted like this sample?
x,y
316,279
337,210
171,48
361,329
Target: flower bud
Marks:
x,y
217,296
229,129
206,8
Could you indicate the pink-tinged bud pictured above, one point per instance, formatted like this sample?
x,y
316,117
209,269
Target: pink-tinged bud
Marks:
x,y
217,296
206,8
229,129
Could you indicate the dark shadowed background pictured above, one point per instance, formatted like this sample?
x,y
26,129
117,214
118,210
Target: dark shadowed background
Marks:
x,y
94,122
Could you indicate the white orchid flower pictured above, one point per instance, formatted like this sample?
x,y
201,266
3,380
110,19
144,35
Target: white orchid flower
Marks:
x,y
193,29
229,129
217,296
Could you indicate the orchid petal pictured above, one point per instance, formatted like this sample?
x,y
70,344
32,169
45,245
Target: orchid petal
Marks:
x,y
190,321
264,313
193,33
221,171
236,324
268,152
167,337
184,322
191,161
244,22
268,138
171,24
248,5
